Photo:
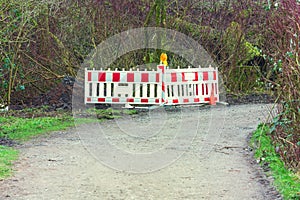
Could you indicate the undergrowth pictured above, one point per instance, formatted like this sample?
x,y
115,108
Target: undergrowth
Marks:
x,y
286,182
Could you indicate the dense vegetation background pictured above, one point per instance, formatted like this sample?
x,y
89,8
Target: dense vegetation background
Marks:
x,y
255,43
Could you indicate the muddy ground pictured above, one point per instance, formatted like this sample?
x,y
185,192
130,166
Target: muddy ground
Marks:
x,y
189,153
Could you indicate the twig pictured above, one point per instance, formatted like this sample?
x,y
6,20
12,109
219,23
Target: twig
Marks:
x,y
287,141
45,68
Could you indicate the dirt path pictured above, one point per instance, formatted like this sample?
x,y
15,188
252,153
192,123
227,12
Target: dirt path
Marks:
x,y
208,159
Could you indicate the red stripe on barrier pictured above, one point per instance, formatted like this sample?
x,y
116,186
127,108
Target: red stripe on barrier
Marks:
x,y
183,77
207,99
186,100
131,100
115,100
162,67
144,100
215,75
196,100
196,76
101,99
202,89
197,92
89,76
175,101
130,77
88,99
156,100
173,77
116,77
101,76
205,76
145,77
157,77
163,87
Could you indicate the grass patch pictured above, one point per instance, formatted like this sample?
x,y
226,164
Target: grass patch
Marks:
x,y
21,129
287,183
130,111
7,156
111,113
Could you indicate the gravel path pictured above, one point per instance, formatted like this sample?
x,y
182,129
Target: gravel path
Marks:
x,y
191,153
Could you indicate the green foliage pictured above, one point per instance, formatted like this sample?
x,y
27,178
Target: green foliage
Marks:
x,y
237,47
287,183
282,120
238,51
251,51
7,156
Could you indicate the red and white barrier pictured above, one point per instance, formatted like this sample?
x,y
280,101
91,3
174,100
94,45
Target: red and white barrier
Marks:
x,y
161,87
192,85
134,87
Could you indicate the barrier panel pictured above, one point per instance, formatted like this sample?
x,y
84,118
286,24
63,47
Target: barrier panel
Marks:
x,y
162,87
120,87
192,85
